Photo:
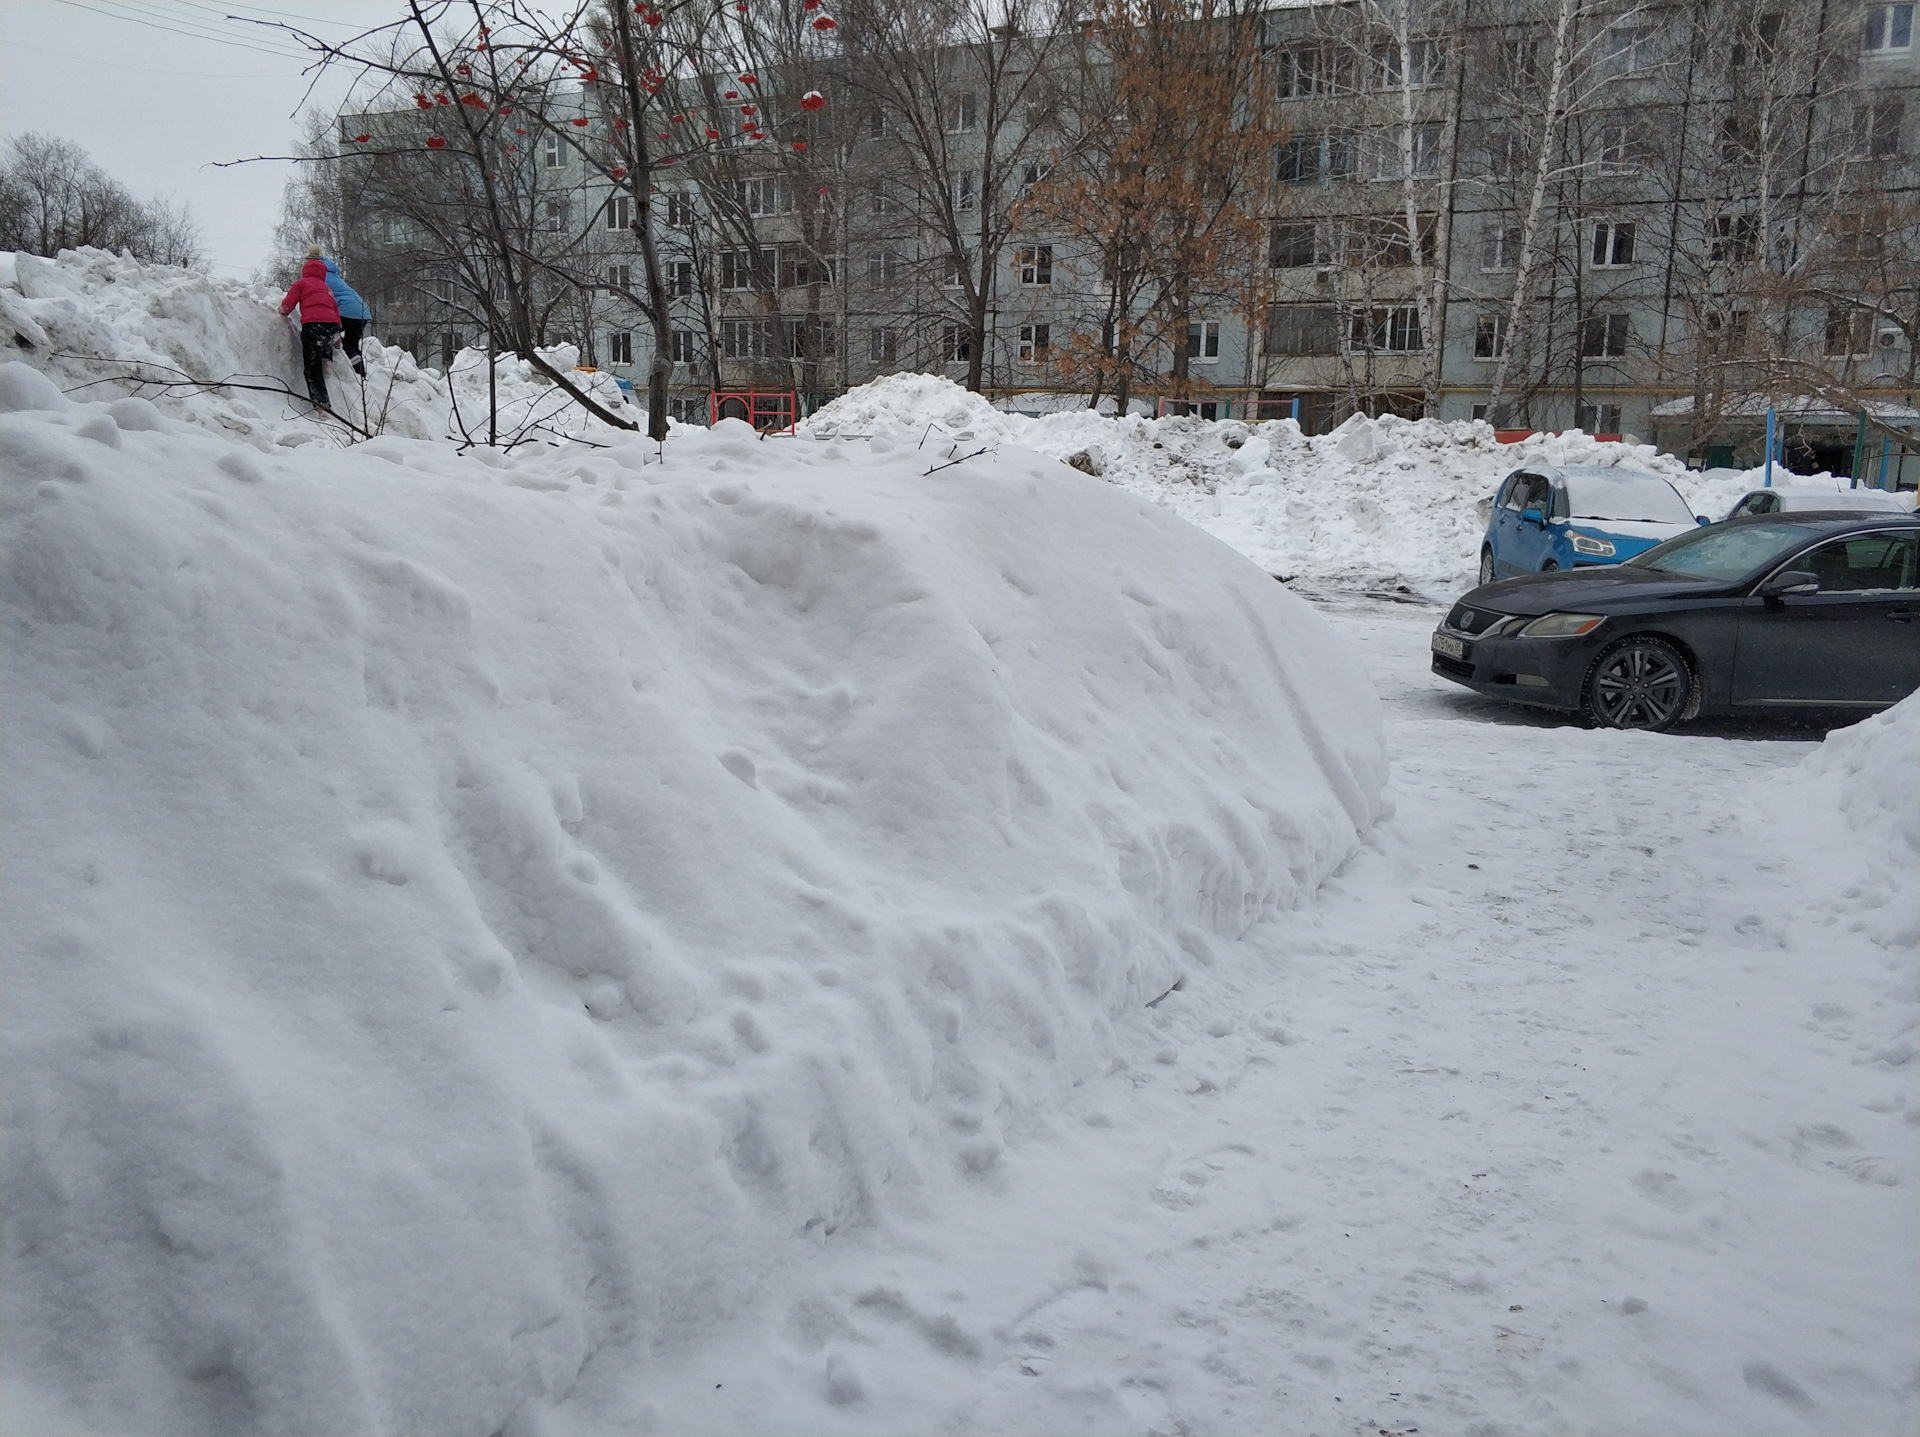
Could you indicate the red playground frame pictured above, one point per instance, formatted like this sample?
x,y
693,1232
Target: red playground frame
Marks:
x,y
771,411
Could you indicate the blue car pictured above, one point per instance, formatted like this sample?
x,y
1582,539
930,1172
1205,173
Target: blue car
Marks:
x,y
1548,517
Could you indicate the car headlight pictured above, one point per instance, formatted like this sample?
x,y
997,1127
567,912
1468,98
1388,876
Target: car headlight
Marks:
x,y
1587,544
1562,626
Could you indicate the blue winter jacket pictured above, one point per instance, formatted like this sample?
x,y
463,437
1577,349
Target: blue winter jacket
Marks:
x,y
351,305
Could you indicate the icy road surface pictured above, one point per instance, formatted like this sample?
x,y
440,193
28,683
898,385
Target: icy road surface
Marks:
x,y
1553,1113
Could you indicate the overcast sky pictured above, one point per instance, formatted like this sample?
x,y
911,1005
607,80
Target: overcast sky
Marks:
x,y
156,90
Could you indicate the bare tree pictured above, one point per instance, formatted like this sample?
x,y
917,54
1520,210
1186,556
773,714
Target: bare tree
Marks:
x,y
53,196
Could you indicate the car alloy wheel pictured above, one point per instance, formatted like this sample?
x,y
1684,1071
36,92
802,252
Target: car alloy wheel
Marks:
x,y
1639,683
1486,566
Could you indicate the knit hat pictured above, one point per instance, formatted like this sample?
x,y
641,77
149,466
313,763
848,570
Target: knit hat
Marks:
x,y
313,251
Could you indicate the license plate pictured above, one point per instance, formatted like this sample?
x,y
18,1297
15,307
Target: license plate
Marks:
x,y
1446,644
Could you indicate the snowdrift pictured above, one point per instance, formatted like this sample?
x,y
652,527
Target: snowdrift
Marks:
x,y
1379,503
217,353
1850,815
471,915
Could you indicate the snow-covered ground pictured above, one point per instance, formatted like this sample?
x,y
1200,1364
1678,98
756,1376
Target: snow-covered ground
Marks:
x,y
1581,1100
887,933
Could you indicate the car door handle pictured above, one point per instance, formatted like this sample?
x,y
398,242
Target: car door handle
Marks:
x,y
1900,616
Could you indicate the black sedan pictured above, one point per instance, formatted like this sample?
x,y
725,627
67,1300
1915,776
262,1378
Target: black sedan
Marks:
x,y
1775,613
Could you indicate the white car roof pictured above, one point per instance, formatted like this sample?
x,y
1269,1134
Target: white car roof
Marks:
x,y
1802,497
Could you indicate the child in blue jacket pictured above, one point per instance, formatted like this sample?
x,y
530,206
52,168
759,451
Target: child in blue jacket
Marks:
x,y
354,315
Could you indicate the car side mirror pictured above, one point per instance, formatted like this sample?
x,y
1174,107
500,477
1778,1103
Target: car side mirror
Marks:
x,y
1701,519
1790,581
1534,516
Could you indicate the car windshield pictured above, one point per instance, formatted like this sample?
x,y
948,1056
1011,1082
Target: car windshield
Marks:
x,y
1645,497
1725,551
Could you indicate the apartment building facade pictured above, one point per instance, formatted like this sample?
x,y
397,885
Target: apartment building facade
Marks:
x,y
1622,217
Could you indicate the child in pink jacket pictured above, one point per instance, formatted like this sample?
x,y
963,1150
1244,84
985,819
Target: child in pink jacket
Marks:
x,y
319,322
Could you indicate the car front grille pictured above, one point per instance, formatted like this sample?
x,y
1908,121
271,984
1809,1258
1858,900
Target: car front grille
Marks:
x,y
1454,667
1467,620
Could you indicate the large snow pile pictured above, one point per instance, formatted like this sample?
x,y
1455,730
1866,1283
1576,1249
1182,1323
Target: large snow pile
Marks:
x,y
218,354
1850,813
1377,503
470,918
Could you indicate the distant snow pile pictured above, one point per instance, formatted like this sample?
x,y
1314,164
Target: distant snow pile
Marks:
x,y
1377,503
217,353
470,914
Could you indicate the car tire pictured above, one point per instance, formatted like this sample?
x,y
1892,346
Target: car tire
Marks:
x,y
1486,566
1549,567
1641,682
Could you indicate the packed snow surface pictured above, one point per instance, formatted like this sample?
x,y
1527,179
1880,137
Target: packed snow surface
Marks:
x,y
467,915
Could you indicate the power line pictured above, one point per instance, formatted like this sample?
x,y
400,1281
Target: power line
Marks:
x,y
144,13
136,19
141,69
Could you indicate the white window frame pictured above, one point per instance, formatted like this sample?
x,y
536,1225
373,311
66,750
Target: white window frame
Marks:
x,y
1490,336
1396,323
685,346
1033,175
1203,341
1609,238
956,344
883,344
619,213
1036,264
620,276
1034,342
1624,51
680,212
966,189
553,153
961,112
1887,29
1608,329
620,346
1427,59
1499,245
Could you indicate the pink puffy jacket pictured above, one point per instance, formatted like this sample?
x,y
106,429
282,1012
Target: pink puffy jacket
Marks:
x,y
310,292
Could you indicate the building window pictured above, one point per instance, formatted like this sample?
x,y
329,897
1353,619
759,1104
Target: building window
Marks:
x,y
1520,58
1599,418
954,275
1306,71
1033,175
1733,239
620,346
1291,245
620,276
683,346
956,344
966,190
1876,128
1303,329
1203,341
876,123
1849,333
557,213
449,347
553,153
1888,28
764,197
1490,336
883,268
680,212
1385,161
960,112
680,277
882,198
1612,245
1394,328
1726,329
1499,247
883,344
690,410
1504,155
1619,147
1036,264
1422,63
799,267
1314,159
741,268
620,212
747,338
1624,51
1034,340
1603,336
1383,242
